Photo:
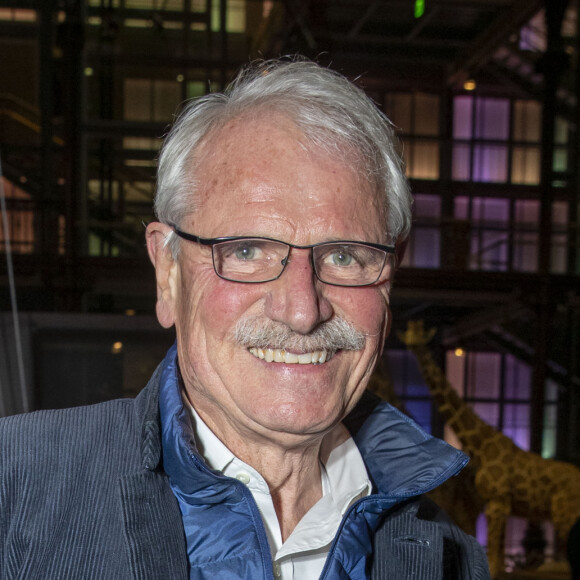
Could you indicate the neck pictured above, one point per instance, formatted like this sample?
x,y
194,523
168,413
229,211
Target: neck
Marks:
x,y
291,469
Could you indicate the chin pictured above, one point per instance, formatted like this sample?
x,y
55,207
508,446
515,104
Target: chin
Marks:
x,y
300,420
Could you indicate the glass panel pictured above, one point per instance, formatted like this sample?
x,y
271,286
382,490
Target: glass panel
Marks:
x,y
18,14
462,111
407,379
199,5
455,370
492,119
525,251
166,97
516,424
483,376
97,3
526,165
151,4
490,163
527,211
141,143
461,170
421,412
527,121
137,100
561,131
235,16
424,160
426,114
138,191
20,218
489,412
549,435
492,251
559,254
518,378
138,23
398,109
559,247
560,160
196,89
427,206
491,210
550,419
425,248
551,392
461,208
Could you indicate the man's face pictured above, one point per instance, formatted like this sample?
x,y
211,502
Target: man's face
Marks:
x,y
255,179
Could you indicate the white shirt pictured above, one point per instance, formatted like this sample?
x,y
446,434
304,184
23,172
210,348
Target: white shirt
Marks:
x,y
344,480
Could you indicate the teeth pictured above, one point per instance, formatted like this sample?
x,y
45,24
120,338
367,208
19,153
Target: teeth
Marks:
x,y
281,356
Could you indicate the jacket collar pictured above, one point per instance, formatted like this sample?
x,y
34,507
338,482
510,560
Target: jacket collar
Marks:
x,y
384,436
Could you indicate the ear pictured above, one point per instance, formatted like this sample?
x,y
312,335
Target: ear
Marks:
x,y
401,248
166,272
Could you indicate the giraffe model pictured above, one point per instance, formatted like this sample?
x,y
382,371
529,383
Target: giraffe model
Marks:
x,y
509,480
457,495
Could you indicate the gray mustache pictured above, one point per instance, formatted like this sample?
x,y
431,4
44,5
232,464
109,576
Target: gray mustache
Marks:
x,y
336,334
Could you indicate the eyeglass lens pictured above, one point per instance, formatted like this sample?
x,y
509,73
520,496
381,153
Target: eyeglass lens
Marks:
x,y
257,260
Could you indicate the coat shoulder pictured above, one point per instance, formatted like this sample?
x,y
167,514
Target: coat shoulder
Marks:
x,y
64,436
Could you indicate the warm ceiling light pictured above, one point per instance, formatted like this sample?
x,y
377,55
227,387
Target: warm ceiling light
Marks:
x,y
459,352
117,347
469,85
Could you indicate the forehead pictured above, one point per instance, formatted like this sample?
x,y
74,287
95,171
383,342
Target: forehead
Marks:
x,y
259,174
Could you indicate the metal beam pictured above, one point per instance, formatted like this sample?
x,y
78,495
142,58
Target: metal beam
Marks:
x,y
484,46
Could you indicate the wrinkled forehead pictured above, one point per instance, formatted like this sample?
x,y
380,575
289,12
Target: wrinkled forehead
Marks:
x,y
257,139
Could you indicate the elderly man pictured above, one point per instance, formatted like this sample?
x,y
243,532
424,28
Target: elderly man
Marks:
x,y
253,452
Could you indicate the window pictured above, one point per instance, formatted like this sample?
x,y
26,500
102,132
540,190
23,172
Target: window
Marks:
x,y
416,117
409,386
489,219
20,219
151,99
235,14
480,131
526,136
423,246
17,15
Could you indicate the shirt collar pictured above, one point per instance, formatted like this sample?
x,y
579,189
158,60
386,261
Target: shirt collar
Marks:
x,y
344,476
209,446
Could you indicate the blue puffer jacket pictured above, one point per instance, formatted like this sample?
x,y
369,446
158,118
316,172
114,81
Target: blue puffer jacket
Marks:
x,y
84,495
225,535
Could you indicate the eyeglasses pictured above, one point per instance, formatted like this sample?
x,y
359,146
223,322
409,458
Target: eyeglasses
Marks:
x,y
253,260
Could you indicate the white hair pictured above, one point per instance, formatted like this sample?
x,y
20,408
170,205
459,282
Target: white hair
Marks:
x,y
334,115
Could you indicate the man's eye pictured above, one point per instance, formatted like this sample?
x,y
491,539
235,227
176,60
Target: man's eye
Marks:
x,y
246,252
341,259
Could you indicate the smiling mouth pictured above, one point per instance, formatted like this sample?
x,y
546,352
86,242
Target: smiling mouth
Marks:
x,y
277,355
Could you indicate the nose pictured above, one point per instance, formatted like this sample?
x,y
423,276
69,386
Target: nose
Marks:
x,y
297,298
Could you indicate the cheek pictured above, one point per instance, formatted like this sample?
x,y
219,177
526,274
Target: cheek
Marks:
x,y
367,308
221,304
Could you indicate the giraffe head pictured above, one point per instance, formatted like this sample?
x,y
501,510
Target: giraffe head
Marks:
x,y
416,335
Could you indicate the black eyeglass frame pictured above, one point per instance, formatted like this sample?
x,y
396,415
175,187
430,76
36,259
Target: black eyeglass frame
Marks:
x,y
213,241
